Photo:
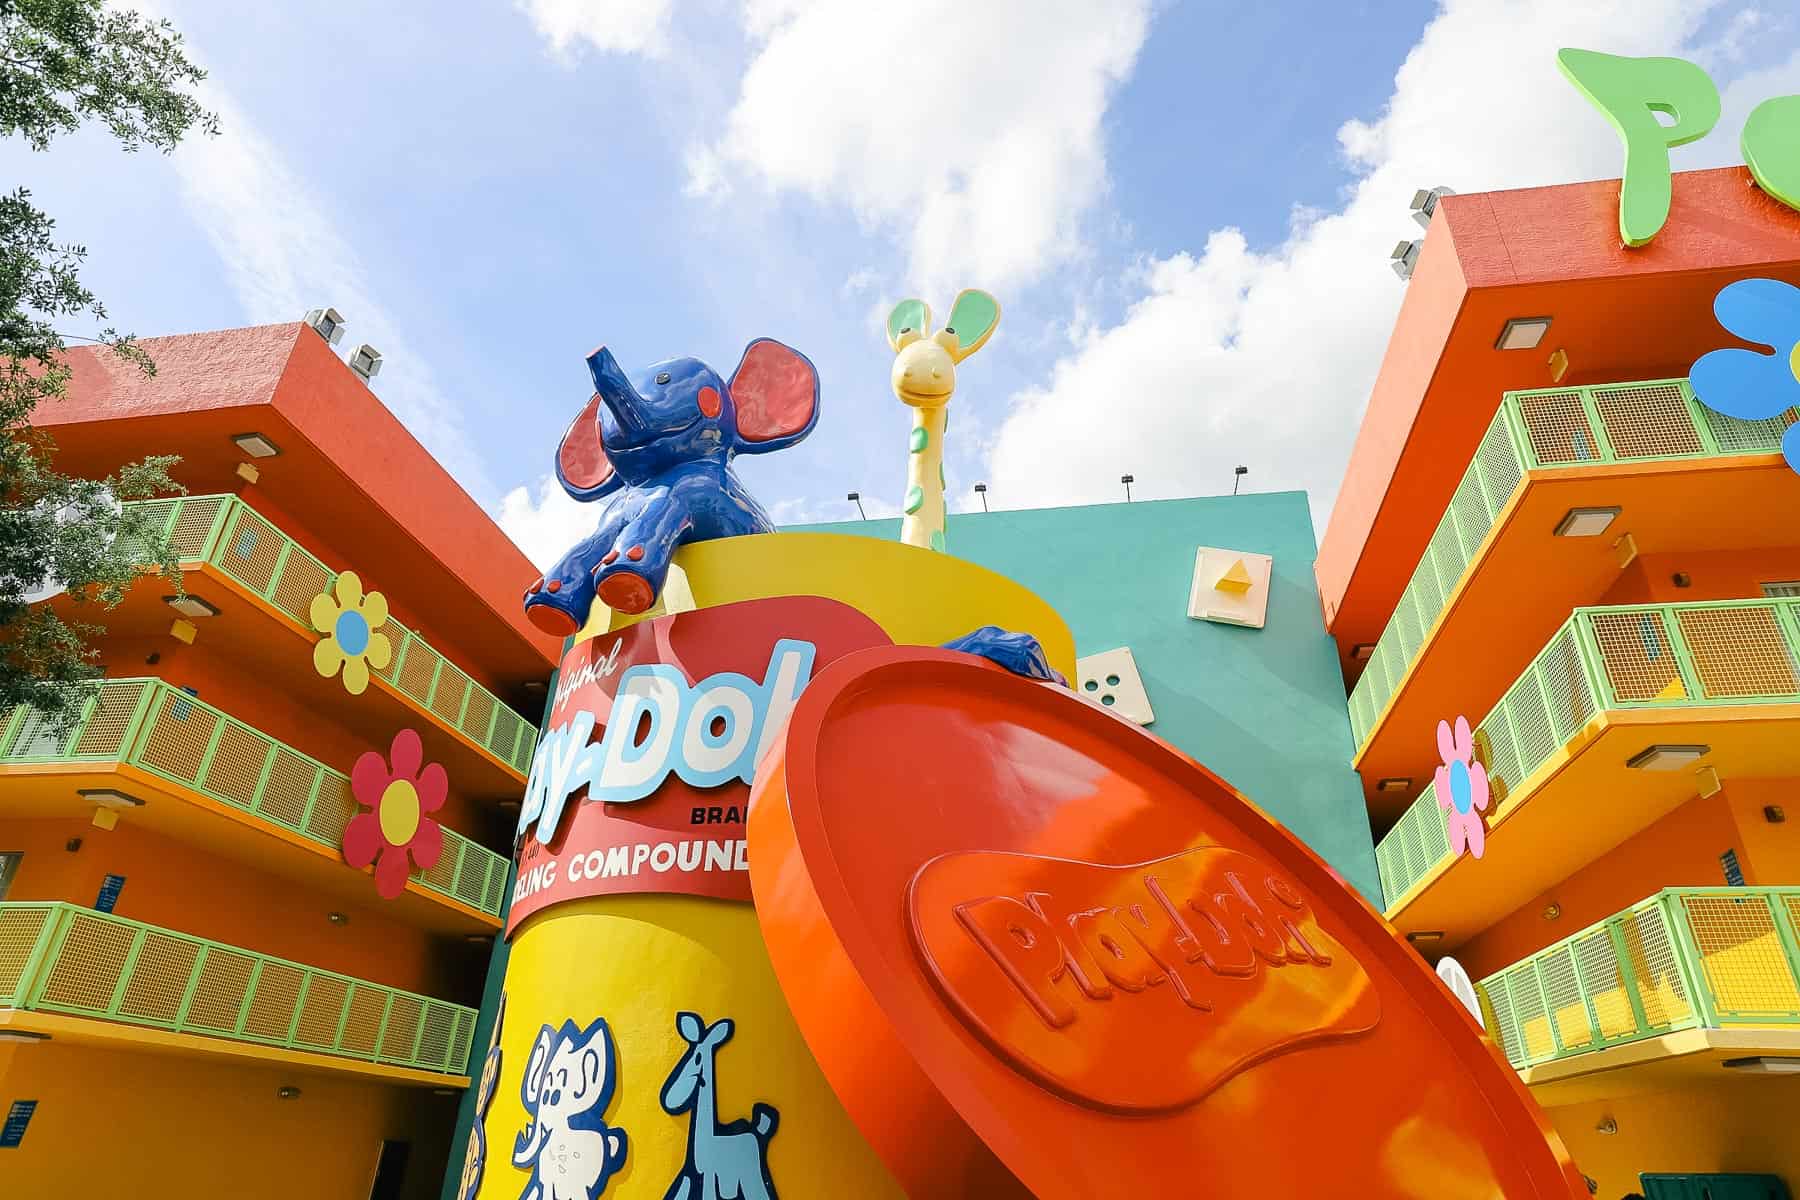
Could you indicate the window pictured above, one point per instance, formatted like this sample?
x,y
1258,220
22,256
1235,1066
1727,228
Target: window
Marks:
x,y
9,866
1782,591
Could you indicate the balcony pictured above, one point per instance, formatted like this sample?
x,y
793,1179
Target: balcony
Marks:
x,y
1612,681
1720,962
1496,580
210,778
189,995
464,725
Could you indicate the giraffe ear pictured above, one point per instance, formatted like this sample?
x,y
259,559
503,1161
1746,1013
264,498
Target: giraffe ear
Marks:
x,y
910,321
973,318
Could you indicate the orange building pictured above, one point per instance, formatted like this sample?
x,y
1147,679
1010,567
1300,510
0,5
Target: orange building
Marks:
x,y
1542,530
198,995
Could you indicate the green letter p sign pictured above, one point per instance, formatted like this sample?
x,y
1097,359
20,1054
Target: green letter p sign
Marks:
x,y
1630,92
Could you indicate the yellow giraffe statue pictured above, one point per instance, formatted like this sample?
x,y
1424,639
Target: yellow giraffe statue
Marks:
x,y
924,376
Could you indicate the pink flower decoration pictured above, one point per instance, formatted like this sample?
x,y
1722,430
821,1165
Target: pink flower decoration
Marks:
x,y
1462,787
395,826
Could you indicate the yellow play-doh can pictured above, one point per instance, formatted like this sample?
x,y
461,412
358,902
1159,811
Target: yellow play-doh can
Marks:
x,y
645,1045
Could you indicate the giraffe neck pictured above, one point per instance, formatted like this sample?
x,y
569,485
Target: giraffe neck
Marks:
x,y
924,504
702,1126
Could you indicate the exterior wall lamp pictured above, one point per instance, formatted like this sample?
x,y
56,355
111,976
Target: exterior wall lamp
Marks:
x,y
1667,758
1522,333
191,606
255,445
1586,522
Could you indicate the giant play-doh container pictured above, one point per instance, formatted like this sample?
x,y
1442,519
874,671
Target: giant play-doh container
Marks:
x,y
645,1046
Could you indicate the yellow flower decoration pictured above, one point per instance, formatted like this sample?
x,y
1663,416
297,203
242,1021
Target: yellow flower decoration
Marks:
x,y
349,623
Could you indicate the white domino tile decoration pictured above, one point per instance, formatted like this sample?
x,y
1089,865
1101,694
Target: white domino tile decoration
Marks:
x,y
1111,680
1230,586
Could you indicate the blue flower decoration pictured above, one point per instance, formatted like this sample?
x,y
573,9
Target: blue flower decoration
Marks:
x,y
1747,384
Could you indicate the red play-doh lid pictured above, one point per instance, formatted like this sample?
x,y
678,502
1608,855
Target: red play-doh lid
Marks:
x,y
1036,948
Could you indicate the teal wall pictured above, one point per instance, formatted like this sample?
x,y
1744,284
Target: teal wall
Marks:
x,y
1263,708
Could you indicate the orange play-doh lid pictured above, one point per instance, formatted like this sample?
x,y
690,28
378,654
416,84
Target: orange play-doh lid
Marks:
x,y
1035,948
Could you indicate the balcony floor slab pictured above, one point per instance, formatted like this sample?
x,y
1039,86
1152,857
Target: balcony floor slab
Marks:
x,y
1584,801
1681,1059
36,790
1523,581
113,1035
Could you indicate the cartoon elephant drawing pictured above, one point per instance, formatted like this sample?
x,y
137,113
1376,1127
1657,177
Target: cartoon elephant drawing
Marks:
x,y
567,1145
655,447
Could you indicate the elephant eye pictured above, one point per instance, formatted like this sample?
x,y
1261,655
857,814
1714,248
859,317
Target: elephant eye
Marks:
x,y
662,377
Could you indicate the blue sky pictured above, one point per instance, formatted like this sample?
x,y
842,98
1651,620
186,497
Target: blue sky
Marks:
x,y
1185,208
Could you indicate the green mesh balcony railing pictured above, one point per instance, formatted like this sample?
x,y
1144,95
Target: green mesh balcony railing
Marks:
x,y
163,730
227,533
1685,958
1540,430
59,958
1626,656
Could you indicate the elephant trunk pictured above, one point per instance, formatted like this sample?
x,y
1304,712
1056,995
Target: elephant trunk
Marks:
x,y
621,399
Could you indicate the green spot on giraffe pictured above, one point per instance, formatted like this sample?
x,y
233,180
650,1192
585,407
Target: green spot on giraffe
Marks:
x,y
940,476
915,498
937,540
920,439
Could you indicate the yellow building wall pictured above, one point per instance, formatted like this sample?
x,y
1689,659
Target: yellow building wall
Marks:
x,y
1680,850
168,1127
1711,575
1772,849
182,887
1740,1124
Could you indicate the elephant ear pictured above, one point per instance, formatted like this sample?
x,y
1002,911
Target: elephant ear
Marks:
x,y
775,391
581,463
532,1085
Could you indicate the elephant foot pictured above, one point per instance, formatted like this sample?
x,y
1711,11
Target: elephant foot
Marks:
x,y
627,592
553,621
546,610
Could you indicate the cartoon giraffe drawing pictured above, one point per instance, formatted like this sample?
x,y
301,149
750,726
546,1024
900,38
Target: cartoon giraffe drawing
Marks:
x,y
924,376
724,1162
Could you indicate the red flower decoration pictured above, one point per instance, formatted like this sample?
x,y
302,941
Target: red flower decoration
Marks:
x,y
396,828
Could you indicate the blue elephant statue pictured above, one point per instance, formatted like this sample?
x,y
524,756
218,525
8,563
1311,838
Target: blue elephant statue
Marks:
x,y
655,448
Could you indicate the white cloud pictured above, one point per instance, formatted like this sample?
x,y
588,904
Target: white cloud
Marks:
x,y
1234,356
283,255
973,131
546,525
617,26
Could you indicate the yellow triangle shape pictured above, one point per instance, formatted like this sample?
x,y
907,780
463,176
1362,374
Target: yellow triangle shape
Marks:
x,y
1236,580
1673,692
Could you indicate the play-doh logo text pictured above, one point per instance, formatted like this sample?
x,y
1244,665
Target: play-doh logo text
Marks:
x,y
1135,988
706,734
642,777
